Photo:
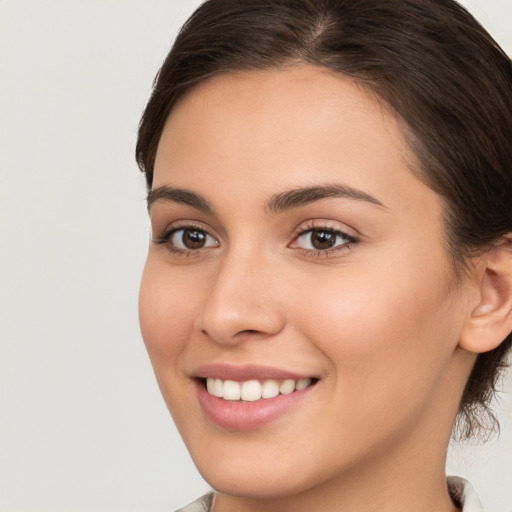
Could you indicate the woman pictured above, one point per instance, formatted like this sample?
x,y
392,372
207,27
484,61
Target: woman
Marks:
x,y
329,282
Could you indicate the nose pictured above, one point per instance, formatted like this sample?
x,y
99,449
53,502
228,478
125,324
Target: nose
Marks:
x,y
242,302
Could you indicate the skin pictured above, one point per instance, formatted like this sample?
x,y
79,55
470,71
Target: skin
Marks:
x,y
379,321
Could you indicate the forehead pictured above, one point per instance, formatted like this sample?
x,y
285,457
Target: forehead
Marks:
x,y
282,128
315,96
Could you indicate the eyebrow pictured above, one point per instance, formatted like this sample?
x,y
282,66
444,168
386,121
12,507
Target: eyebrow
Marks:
x,y
306,195
283,201
180,196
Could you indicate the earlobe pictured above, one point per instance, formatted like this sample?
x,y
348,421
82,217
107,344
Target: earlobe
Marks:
x,y
490,321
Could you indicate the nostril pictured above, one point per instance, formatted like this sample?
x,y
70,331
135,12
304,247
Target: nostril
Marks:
x,y
239,323
245,332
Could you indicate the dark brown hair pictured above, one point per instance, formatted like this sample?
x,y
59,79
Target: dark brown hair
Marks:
x,y
430,60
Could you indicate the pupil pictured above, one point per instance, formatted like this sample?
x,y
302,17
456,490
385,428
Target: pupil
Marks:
x,y
323,239
194,239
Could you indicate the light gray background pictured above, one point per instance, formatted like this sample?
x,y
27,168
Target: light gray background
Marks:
x,y
82,426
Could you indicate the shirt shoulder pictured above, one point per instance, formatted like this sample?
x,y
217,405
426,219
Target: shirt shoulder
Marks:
x,y
460,490
463,494
203,504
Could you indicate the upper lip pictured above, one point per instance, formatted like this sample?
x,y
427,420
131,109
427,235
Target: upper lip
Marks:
x,y
245,372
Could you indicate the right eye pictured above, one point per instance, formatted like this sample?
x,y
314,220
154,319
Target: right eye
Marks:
x,y
187,239
192,239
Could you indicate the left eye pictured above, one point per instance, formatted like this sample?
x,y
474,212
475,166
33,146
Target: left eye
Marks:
x,y
188,239
322,239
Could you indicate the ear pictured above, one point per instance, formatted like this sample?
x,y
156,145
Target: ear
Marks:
x,y
490,321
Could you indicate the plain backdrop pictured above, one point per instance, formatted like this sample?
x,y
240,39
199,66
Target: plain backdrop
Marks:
x,y
83,426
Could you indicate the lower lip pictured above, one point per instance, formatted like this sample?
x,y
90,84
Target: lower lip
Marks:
x,y
239,415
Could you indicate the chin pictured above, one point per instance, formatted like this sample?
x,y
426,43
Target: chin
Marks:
x,y
261,482
257,468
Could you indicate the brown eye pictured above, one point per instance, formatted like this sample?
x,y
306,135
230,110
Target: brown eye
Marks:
x,y
192,239
321,239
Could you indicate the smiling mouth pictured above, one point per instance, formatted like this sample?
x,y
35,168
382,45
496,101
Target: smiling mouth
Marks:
x,y
254,390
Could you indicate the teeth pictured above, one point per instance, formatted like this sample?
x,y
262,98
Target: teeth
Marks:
x,y
218,388
231,390
215,387
287,387
252,390
302,384
270,389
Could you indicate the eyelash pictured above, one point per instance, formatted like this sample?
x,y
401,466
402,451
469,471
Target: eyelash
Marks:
x,y
165,237
350,240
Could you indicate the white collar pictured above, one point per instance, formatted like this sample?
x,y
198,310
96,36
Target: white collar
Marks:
x,y
462,492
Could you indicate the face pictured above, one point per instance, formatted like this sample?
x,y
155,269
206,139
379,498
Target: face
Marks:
x,y
297,302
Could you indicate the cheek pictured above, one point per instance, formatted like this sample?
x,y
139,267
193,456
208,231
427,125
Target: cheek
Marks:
x,y
388,334
166,313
